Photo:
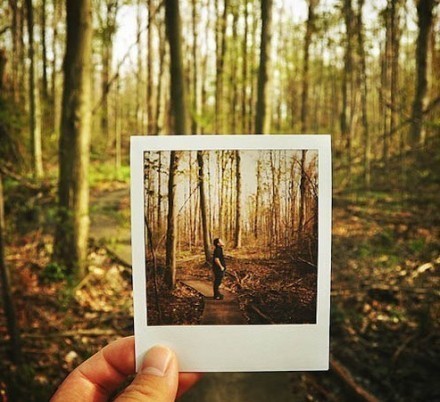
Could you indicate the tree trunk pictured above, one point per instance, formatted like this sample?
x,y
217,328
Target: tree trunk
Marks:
x,y
74,148
257,200
180,126
139,68
15,31
54,98
195,100
233,73
7,297
170,273
310,27
263,109
417,132
178,98
244,74
118,113
363,84
151,124
45,81
157,114
203,206
220,61
107,61
302,190
237,237
34,103
347,83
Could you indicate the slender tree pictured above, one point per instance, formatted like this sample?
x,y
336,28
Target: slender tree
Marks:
x,y
347,111
203,206
45,80
220,61
108,30
195,85
263,110
34,101
302,191
257,199
363,84
310,27
74,147
237,237
417,132
180,126
7,298
151,124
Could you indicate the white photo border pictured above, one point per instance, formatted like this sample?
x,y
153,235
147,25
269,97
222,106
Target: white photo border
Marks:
x,y
233,348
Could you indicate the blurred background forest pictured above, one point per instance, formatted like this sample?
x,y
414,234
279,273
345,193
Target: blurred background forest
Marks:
x,y
77,78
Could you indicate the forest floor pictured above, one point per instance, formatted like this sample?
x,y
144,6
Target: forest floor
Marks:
x,y
385,310
268,290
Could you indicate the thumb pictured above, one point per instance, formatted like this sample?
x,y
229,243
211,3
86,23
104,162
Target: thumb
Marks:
x,y
157,379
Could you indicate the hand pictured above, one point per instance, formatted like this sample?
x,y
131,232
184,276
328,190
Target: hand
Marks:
x,y
99,377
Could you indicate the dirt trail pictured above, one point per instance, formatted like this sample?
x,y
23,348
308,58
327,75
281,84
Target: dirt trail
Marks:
x,y
106,227
217,312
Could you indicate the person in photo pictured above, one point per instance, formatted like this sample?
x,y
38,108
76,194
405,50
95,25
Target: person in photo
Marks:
x,y
219,267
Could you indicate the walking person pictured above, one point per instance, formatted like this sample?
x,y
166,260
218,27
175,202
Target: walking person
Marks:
x,y
219,267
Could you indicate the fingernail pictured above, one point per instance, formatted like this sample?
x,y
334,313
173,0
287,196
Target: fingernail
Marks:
x,y
156,361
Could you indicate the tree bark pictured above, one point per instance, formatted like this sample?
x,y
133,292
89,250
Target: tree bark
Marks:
x,y
195,99
151,123
257,200
170,273
302,190
178,98
8,302
203,206
74,147
157,114
34,103
310,27
45,81
417,132
263,109
237,239
363,84
244,73
107,60
347,83
220,61
180,126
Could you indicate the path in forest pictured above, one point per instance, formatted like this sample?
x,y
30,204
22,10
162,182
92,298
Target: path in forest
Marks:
x,y
217,312
106,226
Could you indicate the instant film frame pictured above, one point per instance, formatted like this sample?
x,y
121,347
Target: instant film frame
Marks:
x,y
204,348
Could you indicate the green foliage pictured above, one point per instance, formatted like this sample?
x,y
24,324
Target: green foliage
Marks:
x,y
52,272
416,245
106,172
24,384
66,295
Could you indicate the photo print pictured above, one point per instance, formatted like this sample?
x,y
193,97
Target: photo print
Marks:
x,y
233,234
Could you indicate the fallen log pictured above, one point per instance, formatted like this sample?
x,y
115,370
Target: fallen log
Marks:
x,y
313,382
75,332
336,368
261,314
346,377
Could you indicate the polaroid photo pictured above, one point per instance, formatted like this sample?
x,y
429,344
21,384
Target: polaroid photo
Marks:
x,y
231,248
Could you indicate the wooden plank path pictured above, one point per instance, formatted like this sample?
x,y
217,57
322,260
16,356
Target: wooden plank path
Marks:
x,y
217,312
